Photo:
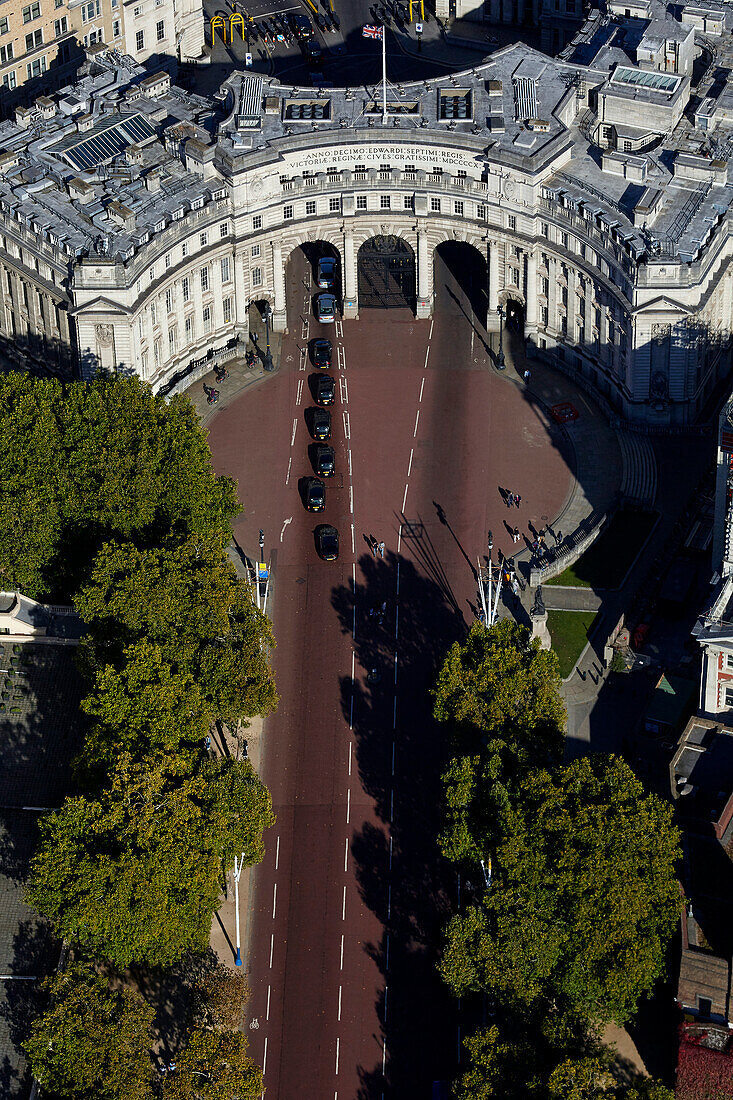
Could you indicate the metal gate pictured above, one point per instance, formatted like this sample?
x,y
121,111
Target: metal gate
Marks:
x,y
386,274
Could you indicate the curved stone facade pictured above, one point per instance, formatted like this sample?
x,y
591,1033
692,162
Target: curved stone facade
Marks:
x,y
157,271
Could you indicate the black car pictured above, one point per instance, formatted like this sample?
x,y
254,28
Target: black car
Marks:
x,y
313,54
325,461
315,495
327,541
325,389
321,352
321,428
301,25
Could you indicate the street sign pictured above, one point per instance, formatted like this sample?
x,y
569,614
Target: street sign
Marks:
x,y
262,571
248,60
418,28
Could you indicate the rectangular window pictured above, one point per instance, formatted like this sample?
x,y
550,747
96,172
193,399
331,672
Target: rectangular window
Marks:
x,y
224,229
203,240
204,278
334,205
564,240
407,202
9,80
458,208
33,40
543,316
140,40
257,221
90,11
171,340
167,260
227,304
310,208
168,301
256,276
287,212
6,53
116,28
435,206
31,11
729,661
385,202
60,26
160,31
225,269
186,289
544,286
481,212
206,318
729,697
184,248
153,316
38,67
361,202
188,328
511,222
255,250
4,26
515,276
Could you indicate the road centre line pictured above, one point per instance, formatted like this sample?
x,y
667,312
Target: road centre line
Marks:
x,y
396,623
391,806
389,901
353,545
287,476
395,670
422,387
338,1044
277,853
427,354
299,391
342,952
386,993
351,498
393,749
269,992
274,900
348,451
351,746
409,465
398,568
394,713
272,947
404,499
417,421
346,853
343,906
386,953
348,812
384,1056
339,329
430,334
295,428
264,1059
340,993
390,852
347,425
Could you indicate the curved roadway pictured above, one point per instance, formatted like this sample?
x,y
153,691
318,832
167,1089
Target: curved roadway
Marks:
x,y
349,900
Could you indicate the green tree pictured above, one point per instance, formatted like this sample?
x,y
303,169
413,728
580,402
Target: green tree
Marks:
x,y
645,1088
498,693
214,1066
92,1042
190,603
135,873
583,899
580,1079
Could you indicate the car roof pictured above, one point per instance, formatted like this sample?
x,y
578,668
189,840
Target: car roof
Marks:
x,y
322,342
328,529
326,259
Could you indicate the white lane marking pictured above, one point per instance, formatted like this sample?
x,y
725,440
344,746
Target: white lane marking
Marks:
x,y
386,992
349,454
390,852
417,421
295,428
277,853
272,947
264,1059
340,992
274,900
430,334
343,358
299,393
287,476
303,359
386,964
384,1057
427,354
391,806
353,544
398,572
346,851
344,382
351,746
347,426
395,675
351,498
396,623
348,813
393,748
342,951
409,465
287,521
339,328
338,1044
269,991
343,906
339,357
389,901
404,499
399,541
422,387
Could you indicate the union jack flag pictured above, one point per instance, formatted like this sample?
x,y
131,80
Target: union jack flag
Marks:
x,y
369,31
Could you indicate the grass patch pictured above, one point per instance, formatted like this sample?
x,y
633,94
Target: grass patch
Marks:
x,y
608,560
569,631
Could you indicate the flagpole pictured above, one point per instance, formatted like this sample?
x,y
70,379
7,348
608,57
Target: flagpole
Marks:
x,y
384,76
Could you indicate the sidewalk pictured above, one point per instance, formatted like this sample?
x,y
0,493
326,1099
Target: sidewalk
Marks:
x,y
241,377
461,44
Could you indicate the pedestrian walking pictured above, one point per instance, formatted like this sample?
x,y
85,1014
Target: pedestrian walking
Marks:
x,y
515,588
558,538
373,545
527,376
381,549
509,500
515,535
517,500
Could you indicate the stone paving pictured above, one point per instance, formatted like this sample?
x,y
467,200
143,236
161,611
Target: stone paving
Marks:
x,y
40,732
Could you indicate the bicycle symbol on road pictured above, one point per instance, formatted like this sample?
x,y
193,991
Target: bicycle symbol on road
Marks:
x,y
254,1024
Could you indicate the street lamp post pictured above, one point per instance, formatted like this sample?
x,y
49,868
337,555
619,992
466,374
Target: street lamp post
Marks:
x,y
268,364
238,865
500,356
491,547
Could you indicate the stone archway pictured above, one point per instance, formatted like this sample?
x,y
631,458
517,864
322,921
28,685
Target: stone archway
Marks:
x,y
461,272
386,274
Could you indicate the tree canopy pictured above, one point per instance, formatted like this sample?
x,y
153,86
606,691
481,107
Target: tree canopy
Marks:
x,y
134,873
583,897
92,1042
214,1066
84,462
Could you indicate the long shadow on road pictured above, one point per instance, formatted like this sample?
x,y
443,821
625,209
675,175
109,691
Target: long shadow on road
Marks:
x,y
401,754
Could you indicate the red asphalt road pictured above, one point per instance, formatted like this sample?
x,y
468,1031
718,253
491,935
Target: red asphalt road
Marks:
x,y
348,901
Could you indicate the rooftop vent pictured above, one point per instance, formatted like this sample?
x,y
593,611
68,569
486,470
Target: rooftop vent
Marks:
x,y
454,105
307,110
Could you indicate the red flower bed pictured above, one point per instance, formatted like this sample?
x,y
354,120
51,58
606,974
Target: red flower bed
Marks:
x,y
703,1074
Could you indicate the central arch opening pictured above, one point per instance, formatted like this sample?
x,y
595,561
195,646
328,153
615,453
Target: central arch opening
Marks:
x,y
461,279
386,266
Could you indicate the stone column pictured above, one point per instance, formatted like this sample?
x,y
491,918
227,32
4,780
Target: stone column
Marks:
x,y
424,273
241,313
531,312
351,282
279,317
492,301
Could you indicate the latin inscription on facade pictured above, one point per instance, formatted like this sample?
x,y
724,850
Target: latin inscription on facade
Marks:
x,y
397,156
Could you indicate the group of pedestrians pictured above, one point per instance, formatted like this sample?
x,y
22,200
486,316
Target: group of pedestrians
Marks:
x,y
376,547
512,500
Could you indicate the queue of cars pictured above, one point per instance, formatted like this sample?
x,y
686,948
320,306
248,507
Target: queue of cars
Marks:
x,y
318,419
